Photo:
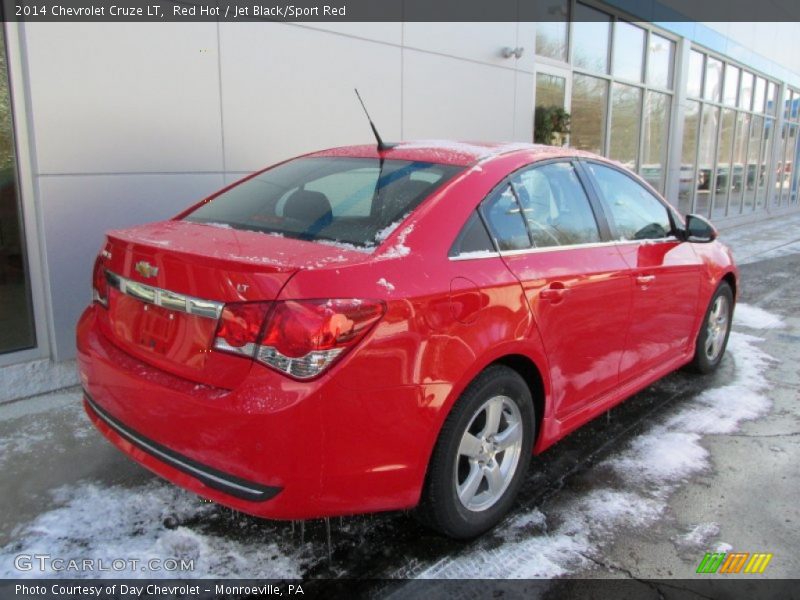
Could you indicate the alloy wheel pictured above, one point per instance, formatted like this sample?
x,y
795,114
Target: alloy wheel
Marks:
x,y
717,326
488,453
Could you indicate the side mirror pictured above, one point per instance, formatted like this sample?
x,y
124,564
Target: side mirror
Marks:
x,y
699,229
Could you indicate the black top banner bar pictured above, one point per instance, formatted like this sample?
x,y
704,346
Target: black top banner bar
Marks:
x,y
298,11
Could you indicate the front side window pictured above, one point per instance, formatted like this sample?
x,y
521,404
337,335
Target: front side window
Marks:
x,y
350,200
555,206
635,213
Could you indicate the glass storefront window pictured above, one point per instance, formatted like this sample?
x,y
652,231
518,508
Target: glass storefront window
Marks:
x,y
738,177
771,100
746,92
723,179
628,51
552,28
550,91
590,37
654,146
753,173
688,171
589,101
765,162
694,80
660,57
713,79
731,85
16,313
759,94
788,179
706,147
626,115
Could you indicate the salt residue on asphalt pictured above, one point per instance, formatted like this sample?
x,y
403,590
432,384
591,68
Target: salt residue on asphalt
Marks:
x,y
697,538
754,317
112,523
571,534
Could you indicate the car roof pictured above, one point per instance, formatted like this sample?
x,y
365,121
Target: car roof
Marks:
x,y
451,152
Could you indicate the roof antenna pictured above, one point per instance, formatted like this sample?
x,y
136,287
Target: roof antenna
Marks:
x,y
381,144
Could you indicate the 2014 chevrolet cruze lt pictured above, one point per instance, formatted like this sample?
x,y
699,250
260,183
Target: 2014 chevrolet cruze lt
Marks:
x,y
362,330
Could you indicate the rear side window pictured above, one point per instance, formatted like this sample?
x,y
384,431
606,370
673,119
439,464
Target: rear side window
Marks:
x,y
473,238
634,212
555,205
504,217
349,200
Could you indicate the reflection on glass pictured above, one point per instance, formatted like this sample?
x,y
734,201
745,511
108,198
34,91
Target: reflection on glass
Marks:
x,y
654,145
753,173
764,162
725,151
772,92
16,313
626,114
694,80
793,160
706,146
787,103
788,179
589,99
758,95
660,53
713,79
628,51
590,35
746,93
731,85
550,91
552,28
688,156
738,177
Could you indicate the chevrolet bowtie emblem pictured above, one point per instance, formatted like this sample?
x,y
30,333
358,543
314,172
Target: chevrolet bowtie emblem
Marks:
x,y
145,269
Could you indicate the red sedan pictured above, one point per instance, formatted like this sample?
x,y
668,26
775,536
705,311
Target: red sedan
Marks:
x,y
361,330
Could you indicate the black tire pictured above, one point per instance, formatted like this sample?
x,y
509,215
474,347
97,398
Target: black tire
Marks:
x,y
440,507
703,361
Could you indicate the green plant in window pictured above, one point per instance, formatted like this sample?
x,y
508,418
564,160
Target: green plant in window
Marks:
x,y
551,124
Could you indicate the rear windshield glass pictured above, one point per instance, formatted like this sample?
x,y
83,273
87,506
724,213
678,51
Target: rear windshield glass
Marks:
x,y
349,200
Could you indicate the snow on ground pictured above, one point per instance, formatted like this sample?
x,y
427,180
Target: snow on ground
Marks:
x,y
123,524
26,434
754,317
697,538
569,535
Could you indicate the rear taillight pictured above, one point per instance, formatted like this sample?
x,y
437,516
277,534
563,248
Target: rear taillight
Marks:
x,y
300,338
239,329
99,283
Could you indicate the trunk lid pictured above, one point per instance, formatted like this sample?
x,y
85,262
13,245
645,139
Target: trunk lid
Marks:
x,y
169,280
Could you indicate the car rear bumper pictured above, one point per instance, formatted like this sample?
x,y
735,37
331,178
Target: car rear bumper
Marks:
x,y
273,447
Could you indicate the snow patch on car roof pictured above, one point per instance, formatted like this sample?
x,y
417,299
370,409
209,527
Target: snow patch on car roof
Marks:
x,y
447,151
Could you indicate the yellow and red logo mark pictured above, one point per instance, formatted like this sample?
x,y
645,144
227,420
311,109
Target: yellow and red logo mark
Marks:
x,y
731,563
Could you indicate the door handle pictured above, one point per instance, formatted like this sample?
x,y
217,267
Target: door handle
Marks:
x,y
645,279
555,292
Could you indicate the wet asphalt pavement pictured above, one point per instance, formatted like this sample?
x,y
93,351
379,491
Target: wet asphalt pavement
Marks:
x,y
743,496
